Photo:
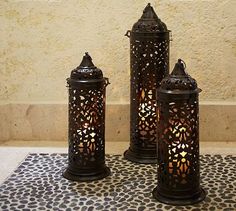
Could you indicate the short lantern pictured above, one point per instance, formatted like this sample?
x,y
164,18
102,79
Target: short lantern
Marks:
x,y
86,123
149,63
178,178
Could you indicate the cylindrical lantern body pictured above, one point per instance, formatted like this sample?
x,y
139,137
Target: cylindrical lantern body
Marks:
x,y
86,123
178,140
149,63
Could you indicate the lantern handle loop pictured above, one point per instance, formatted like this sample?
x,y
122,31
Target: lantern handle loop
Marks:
x,y
171,37
67,83
127,34
107,82
182,62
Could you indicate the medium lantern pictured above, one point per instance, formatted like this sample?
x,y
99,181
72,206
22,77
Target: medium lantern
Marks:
x,y
178,176
86,123
149,63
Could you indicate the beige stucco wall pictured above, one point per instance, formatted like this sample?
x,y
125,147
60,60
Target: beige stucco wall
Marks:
x,y
42,40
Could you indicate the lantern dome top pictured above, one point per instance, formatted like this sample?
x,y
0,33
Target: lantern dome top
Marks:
x,y
86,70
179,80
149,22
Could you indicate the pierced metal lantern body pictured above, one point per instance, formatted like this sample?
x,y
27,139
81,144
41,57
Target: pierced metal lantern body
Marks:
x,y
149,63
178,180
86,123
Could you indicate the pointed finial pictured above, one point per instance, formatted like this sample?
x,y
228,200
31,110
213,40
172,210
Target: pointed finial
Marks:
x,y
149,12
179,68
149,22
87,61
179,81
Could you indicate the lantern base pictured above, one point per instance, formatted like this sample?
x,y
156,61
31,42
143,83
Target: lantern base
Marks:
x,y
138,157
86,177
182,201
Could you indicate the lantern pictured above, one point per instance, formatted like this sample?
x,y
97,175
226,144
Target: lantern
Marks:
x,y
178,180
149,63
86,123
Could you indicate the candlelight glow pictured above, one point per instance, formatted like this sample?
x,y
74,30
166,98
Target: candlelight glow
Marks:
x,y
180,163
146,110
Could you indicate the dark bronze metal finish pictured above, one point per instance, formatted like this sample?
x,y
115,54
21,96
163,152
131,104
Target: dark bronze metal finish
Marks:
x,y
178,180
86,123
149,63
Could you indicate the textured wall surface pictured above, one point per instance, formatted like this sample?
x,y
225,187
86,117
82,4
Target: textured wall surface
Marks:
x,y
42,40
35,122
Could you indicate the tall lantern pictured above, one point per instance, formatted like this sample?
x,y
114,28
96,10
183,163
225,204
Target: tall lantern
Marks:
x,y
86,123
149,63
178,176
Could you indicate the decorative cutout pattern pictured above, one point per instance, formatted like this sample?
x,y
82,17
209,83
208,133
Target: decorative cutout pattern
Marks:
x,y
176,83
178,147
149,65
86,125
149,22
86,73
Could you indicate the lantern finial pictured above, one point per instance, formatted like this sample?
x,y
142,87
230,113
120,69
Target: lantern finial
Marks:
x,y
149,13
179,80
86,70
87,61
149,22
179,68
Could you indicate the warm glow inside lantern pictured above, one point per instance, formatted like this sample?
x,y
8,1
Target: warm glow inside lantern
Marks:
x,y
86,123
149,63
178,140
